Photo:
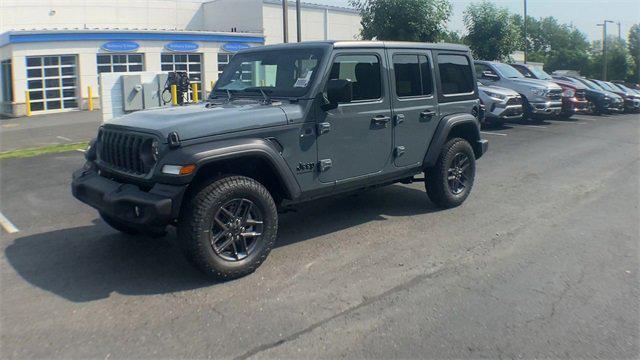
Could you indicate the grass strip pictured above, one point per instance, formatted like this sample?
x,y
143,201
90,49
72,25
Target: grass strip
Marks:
x,y
26,153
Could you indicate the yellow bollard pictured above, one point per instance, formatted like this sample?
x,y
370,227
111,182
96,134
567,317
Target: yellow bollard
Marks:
x,y
174,95
194,88
213,85
27,101
90,93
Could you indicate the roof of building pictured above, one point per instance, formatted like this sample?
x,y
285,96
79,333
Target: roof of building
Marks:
x,y
31,36
313,5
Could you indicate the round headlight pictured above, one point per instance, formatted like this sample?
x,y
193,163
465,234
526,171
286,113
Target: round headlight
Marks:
x,y
568,93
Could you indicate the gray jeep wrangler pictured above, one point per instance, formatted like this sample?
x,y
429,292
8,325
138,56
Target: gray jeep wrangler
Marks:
x,y
286,124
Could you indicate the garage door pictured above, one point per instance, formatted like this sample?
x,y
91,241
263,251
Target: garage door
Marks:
x,y
52,82
189,63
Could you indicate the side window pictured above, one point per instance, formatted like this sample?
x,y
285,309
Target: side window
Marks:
x,y
363,71
413,75
455,74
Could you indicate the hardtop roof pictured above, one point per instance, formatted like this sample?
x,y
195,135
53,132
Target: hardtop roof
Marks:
x,y
367,44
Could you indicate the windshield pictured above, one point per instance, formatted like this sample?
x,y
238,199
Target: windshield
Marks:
x,y
604,85
591,84
508,71
540,74
276,72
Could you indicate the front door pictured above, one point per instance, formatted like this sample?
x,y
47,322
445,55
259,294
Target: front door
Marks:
x,y
415,108
355,139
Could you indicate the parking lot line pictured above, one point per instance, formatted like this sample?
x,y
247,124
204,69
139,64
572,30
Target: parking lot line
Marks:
x,y
7,225
535,126
64,138
492,133
81,150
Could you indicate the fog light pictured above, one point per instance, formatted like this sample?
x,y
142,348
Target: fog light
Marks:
x,y
178,170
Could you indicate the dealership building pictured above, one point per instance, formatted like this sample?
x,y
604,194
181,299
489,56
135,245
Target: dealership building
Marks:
x,y
52,52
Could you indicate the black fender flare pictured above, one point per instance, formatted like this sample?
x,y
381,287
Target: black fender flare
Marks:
x,y
445,126
203,154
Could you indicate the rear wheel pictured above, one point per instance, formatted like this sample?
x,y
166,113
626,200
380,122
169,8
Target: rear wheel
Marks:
x,y
449,182
229,227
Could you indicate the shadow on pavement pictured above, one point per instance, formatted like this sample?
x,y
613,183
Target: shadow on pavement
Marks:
x,y
88,263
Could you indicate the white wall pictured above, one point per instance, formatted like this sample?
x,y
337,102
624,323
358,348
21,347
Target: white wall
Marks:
x,y
102,14
341,25
222,15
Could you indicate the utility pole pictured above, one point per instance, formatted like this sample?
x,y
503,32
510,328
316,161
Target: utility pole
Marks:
x,y
526,43
285,20
619,32
299,20
604,48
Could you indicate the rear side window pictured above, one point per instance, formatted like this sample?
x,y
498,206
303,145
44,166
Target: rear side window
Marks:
x,y
413,75
456,76
363,71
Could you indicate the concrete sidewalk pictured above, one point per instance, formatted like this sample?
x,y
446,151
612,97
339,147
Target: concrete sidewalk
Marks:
x,y
51,129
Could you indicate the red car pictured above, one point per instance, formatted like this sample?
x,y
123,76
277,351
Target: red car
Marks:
x,y
574,100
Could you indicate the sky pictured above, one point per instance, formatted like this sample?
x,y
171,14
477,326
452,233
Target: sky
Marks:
x,y
583,14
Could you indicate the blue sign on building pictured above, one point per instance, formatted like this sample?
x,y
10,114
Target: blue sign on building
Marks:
x,y
234,47
182,46
120,46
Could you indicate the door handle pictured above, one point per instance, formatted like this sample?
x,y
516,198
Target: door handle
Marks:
x,y
381,120
427,114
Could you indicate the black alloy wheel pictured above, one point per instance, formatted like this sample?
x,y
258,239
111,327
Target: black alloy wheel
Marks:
x,y
237,228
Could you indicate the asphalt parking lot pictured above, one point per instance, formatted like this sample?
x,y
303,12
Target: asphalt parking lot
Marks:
x,y
541,261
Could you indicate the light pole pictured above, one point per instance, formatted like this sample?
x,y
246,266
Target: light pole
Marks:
x,y
604,48
285,20
526,43
299,20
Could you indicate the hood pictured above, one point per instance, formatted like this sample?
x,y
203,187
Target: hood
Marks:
x,y
498,90
195,121
543,84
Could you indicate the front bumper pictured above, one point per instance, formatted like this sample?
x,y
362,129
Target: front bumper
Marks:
x,y
127,202
575,106
506,112
547,107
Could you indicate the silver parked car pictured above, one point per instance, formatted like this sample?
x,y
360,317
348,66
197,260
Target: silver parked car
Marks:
x,y
500,103
540,97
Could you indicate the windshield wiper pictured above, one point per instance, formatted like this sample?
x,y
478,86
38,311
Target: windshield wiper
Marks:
x,y
266,99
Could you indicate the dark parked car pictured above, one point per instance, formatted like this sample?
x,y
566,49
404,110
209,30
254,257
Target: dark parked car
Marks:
x,y
286,124
631,101
615,102
574,98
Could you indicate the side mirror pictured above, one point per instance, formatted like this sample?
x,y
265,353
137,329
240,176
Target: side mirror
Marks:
x,y
338,91
489,75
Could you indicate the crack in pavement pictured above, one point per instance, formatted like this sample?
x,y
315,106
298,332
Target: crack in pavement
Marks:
x,y
367,301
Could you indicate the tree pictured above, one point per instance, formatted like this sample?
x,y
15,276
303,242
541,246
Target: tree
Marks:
x,y
619,63
406,20
634,50
558,46
492,32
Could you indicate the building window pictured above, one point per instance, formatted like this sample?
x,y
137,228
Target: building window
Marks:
x,y
223,61
189,63
52,82
456,76
6,77
120,63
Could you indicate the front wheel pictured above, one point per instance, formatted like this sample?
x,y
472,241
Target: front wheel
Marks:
x,y
229,227
449,182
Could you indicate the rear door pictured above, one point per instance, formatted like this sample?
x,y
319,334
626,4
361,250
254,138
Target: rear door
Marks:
x,y
414,103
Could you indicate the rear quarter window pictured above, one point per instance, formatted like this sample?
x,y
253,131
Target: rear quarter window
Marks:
x,y
456,75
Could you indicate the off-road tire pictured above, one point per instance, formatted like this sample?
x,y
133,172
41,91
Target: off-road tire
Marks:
x,y
119,225
436,177
197,220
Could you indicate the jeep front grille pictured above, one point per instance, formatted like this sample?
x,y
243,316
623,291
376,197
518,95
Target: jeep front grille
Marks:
x,y
126,152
